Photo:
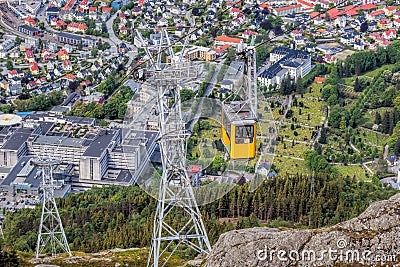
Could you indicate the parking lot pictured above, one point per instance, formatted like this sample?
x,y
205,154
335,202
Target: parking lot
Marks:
x,y
11,202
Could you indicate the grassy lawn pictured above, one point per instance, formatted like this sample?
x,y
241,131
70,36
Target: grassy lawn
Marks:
x,y
315,90
374,73
295,151
311,108
372,138
303,133
353,170
350,80
290,166
369,116
275,113
334,142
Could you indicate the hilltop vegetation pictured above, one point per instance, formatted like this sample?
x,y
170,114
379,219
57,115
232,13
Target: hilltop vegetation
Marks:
x,y
110,217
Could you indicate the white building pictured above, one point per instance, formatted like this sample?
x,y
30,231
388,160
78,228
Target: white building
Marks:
x,y
285,62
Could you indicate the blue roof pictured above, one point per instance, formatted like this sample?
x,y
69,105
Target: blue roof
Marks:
x,y
25,113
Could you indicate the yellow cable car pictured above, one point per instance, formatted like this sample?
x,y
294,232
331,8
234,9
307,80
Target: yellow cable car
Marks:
x,y
238,131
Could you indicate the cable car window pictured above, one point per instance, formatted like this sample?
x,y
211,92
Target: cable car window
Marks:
x,y
244,134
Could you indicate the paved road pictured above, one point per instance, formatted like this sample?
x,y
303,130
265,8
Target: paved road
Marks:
x,y
354,147
113,38
206,93
364,164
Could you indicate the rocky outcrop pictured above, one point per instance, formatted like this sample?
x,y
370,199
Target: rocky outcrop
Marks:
x,y
371,239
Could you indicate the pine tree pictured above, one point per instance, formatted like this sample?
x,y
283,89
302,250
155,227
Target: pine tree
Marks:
x,y
357,85
386,122
378,118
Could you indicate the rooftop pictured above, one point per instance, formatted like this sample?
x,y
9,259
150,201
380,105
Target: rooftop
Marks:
x,y
62,141
16,140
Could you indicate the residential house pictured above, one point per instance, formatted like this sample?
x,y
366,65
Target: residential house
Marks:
x,y
47,55
389,10
15,81
106,10
7,44
136,11
103,75
93,13
59,72
385,23
83,73
396,23
296,33
14,89
67,65
299,40
341,21
359,45
223,40
122,48
34,68
12,73
122,18
283,11
396,15
60,25
31,85
373,26
97,97
80,16
95,67
77,27
30,21
105,16
376,15
123,30
3,54
51,76
389,34
68,78
29,56
349,38
63,54
162,22
14,54
50,67
4,84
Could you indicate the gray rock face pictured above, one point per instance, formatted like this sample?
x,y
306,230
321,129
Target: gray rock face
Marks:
x,y
371,239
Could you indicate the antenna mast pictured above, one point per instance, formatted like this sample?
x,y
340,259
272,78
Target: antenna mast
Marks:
x,y
175,191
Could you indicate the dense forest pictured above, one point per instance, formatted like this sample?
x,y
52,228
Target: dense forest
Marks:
x,y
110,217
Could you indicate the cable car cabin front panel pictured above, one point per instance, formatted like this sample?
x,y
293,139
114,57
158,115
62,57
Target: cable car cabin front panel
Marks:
x,y
243,142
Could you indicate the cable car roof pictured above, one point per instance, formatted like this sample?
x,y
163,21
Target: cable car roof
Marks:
x,y
237,111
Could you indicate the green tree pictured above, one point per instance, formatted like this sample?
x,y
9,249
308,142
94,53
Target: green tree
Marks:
x,y
9,65
94,52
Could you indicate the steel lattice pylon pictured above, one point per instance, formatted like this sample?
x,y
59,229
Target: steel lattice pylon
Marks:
x,y
50,229
176,193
